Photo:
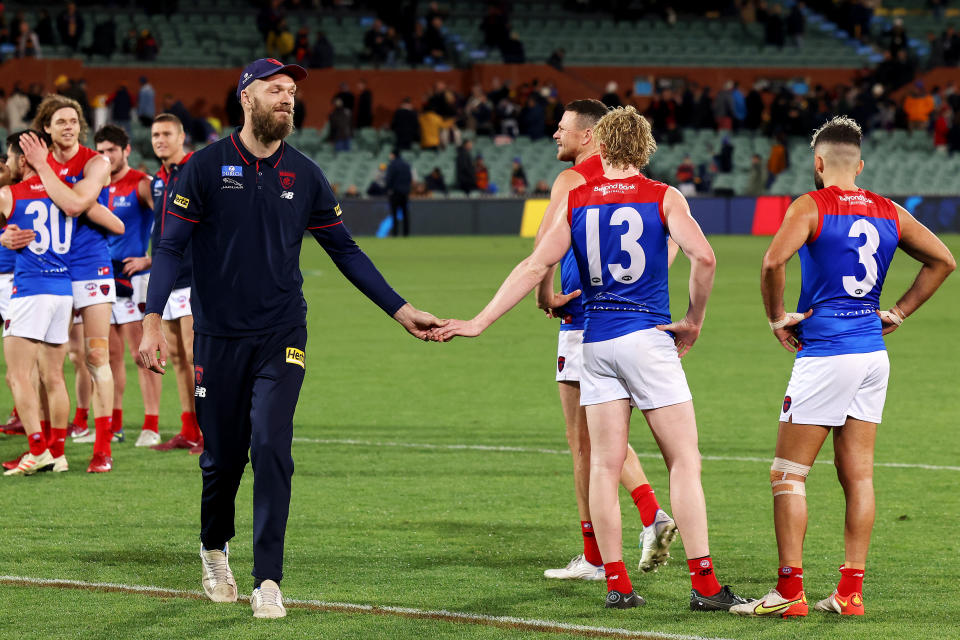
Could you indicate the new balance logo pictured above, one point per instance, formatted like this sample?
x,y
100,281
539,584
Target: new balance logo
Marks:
x,y
200,392
287,195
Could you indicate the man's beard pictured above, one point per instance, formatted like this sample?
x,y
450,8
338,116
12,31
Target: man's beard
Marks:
x,y
817,179
267,128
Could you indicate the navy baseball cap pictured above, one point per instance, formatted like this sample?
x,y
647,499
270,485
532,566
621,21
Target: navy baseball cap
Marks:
x,y
265,67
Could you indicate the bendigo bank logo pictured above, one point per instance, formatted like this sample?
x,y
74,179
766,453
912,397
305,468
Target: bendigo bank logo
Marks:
x,y
287,178
296,356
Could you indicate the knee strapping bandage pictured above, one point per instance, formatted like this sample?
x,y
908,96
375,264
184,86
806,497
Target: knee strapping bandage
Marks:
x,y
98,347
778,477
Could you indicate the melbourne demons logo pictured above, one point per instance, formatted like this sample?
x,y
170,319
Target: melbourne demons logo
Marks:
x,y
787,401
287,178
105,289
198,373
560,362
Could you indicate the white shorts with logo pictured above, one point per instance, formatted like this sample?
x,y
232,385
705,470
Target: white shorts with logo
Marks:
x,y
43,317
642,366
6,289
178,305
570,356
130,309
824,390
87,293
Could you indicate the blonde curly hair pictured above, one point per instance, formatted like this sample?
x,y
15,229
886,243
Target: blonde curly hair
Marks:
x,y
626,138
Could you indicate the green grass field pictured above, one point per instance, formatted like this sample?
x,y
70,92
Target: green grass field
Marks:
x,y
401,497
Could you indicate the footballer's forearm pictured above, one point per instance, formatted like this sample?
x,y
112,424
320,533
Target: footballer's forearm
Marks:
x,y
518,284
702,271
773,278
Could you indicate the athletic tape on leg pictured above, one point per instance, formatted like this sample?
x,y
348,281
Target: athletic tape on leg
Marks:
x,y
778,477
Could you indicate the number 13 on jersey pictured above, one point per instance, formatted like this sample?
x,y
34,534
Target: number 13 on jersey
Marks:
x,y
618,241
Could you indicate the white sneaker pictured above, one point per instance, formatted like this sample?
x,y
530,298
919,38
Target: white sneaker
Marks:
x,y
655,542
31,464
773,605
267,601
147,438
577,569
89,438
218,582
60,464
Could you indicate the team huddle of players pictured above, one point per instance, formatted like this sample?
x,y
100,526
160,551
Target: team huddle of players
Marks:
x,y
74,269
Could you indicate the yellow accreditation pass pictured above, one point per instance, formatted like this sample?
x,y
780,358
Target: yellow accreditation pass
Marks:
x,y
296,356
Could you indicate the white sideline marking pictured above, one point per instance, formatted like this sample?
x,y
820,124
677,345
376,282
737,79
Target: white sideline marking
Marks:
x,y
487,447
526,624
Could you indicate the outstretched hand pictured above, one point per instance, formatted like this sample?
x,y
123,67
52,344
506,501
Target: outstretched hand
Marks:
x,y
787,333
685,333
552,305
454,328
418,323
13,237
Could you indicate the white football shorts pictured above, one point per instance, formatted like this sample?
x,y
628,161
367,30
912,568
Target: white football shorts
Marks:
x,y
42,317
6,288
131,309
87,293
178,305
570,356
642,366
825,390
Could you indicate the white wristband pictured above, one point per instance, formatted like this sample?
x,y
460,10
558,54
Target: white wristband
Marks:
x,y
893,316
785,320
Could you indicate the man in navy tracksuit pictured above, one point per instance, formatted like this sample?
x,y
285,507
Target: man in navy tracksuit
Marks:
x,y
244,202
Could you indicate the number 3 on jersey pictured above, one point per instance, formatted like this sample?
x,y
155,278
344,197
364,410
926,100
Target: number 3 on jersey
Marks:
x,y
629,244
852,285
47,225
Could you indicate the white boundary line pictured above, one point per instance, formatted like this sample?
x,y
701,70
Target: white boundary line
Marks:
x,y
505,449
520,624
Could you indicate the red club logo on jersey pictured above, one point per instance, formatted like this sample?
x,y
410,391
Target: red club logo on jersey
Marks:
x,y
287,178
787,401
560,362
105,289
198,373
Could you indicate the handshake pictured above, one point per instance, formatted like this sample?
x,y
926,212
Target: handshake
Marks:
x,y
429,328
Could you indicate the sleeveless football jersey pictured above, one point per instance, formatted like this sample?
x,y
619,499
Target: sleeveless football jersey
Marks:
x,y
137,219
572,313
843,267
89,243
42,267
619,239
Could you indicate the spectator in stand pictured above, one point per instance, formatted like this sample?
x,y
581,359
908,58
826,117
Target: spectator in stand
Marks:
x,y
796,24
352,191
299,113
611,98
280,41
17,108
466,169
779,159
373,43
416,45
321,57
724,159
738,103
301,47
756,181
70,26
479,112
405,125
755,107
498,91
346,97
104,39
28,44
723,107
918,106
533,118
897,37
270,15
364,105
147,47
128,46
430,124
556,58
495,28
941,128
44,29
435,181
146,102
953,136
341,131
378,186
951,46
542,189
121,106
935,58
686,177
398,180
773,28
482,175
434,40
518,178
435,11
512,50
507,112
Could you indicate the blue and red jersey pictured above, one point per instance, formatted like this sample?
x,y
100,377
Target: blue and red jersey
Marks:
x,y
572,317
843,267
619,238
8,259
124,201
42,267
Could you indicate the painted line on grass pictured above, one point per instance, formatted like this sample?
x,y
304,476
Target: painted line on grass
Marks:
x,y
507,449
503,622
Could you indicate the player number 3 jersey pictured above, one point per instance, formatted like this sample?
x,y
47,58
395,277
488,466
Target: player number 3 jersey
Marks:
x,y
619,239
843,268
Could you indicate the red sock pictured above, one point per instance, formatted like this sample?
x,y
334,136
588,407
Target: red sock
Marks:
x,y
38,444
57,438
104,434
702,577
45,429
116,421
591,552
189,428
617,578
150,423
790,582
646,503
851,581
80,417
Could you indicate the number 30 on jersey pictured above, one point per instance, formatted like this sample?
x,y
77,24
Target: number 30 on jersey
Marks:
x,y
47,225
